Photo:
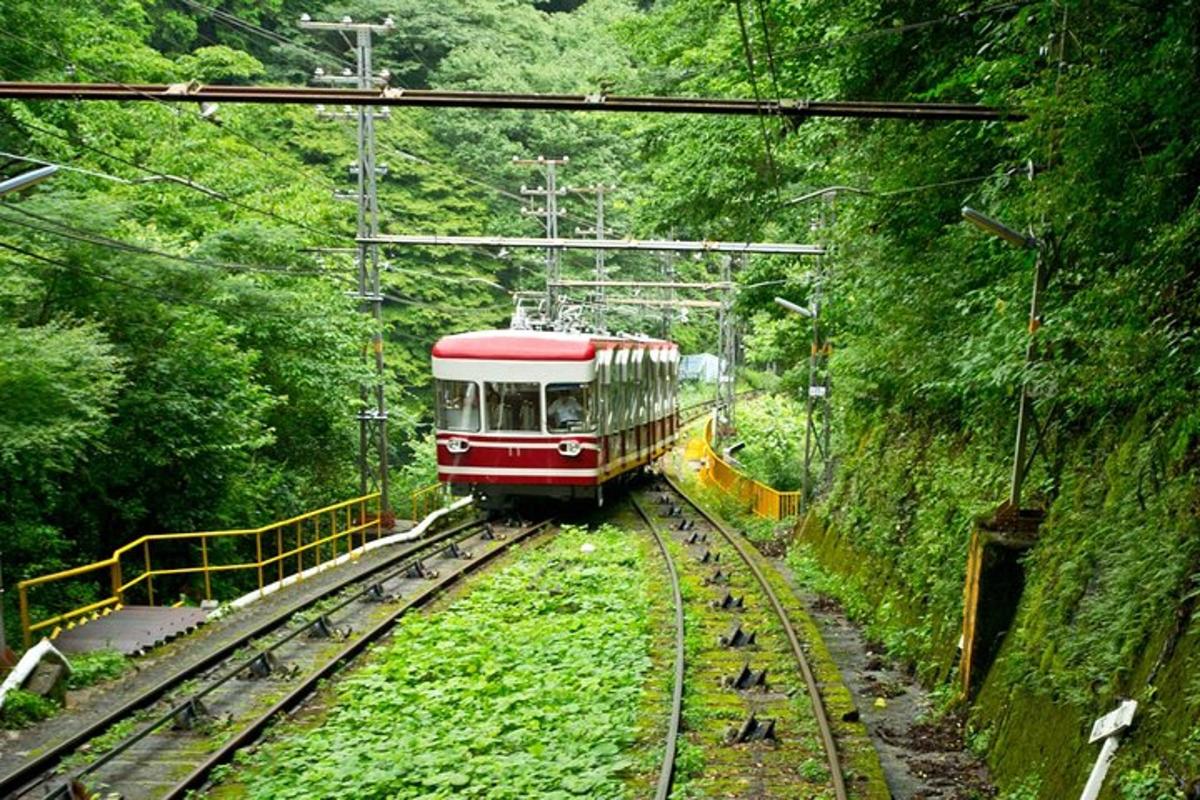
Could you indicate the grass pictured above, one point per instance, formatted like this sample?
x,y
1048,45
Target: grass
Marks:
x,y
528,686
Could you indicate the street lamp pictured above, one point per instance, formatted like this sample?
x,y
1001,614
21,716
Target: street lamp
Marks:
x,y
999,229
27,179
1025,412
795,309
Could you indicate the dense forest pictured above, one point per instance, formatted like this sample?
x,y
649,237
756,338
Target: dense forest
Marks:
x,y
177,351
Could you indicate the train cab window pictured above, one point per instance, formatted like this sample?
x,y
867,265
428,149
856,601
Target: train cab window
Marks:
x,y
569,407
514,406
458,406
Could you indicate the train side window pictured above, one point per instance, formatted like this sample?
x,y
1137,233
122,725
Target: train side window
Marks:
x,y
458,406
569,408
514,406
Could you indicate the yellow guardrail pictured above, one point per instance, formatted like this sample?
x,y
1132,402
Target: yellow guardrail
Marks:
x,y
309,539
426,501
762,499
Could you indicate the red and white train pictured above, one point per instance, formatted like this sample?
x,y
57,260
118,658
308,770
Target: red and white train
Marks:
x,y
562,415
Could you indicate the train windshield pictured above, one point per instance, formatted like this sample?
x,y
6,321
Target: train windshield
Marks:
x,y
569,407
458,406
514,406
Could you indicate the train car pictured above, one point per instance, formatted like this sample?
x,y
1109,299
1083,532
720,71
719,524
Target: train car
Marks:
x,y
544,414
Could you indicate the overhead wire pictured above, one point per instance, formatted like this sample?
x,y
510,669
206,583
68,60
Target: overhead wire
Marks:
x,y
456,170
746,47
178,112
90,237
185,182
257,30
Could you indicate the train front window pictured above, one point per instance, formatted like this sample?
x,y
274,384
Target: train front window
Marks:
x,y
514,406
569,408
458,406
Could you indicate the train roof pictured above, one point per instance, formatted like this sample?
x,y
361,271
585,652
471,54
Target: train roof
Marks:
x,y
510,345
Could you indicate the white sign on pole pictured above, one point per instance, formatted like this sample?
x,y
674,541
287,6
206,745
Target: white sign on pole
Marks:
x,y
816,391
1109,728
1114,721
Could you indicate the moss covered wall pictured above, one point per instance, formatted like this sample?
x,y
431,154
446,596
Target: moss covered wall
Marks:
x,y
1107,609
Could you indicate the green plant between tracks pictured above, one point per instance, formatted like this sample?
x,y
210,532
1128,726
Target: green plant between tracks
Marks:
x,y
526,687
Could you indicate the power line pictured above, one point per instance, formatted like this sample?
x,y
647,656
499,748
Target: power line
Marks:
x,y
257,30
63,230
762,18
93,237
757,99
796,109
273,158
186,182
457,171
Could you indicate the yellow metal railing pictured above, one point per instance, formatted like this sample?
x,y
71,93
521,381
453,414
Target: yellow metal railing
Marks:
x,y
427,500
761,499
281,549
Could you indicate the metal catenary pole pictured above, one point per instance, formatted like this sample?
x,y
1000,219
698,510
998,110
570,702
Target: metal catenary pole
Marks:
x,y
549,212
726,353
598,307
372,417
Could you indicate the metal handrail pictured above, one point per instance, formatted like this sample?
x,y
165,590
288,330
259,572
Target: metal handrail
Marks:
x,y
345,521
764,500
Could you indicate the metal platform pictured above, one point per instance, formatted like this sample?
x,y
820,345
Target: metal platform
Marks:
x,y
131,630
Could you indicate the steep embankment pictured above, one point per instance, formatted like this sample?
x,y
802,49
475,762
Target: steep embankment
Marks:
x,y
1107,608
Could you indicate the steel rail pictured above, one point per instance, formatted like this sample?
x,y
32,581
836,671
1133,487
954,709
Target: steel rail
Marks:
x,y
666,775
810,681
251,732
795,109
17,782
430,545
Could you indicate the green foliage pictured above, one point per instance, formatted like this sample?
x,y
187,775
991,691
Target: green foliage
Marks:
x,y
96,666
772,426
526,687
1148,783
22,709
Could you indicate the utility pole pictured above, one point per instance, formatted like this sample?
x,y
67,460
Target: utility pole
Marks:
x,y
372,417
549,212
668,276
597,230
726,352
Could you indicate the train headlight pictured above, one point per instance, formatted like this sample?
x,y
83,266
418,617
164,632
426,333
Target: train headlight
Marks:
x,y
569,448
457,445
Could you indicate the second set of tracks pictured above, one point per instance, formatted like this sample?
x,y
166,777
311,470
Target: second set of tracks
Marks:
x,y
168,738
737,662
758,754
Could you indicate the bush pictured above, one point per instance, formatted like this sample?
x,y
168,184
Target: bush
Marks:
x,y
23,709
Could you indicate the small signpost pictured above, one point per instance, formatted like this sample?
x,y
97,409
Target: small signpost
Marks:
x,y
1109,729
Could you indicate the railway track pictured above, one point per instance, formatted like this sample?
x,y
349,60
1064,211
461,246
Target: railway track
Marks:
x,y
168,741
733,671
